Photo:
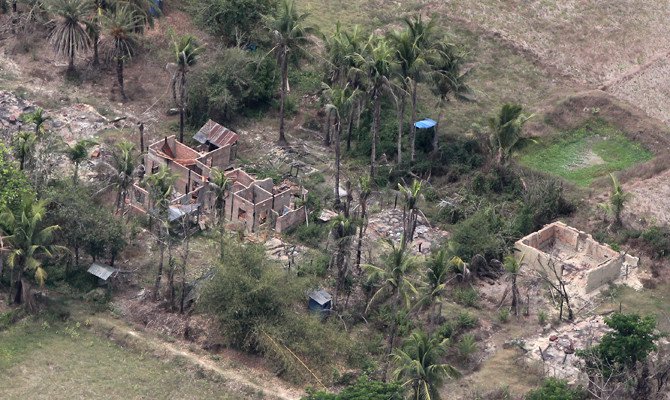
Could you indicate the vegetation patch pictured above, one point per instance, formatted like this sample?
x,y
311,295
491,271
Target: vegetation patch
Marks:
x,y
585,154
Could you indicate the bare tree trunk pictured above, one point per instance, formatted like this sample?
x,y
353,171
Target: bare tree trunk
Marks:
x,y
375,134
282,97
326,139
361,231
96,57
182,99
436,133
350,128
159,274
412,128
119,78
338,131
401,126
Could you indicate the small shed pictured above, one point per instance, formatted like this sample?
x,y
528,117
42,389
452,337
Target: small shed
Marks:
x,y
102,271
320,300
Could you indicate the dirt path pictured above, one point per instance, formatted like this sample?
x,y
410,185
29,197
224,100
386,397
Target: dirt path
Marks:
x,y
239,379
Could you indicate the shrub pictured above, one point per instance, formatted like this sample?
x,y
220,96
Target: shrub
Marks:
x,y
466,346
657,240
557,389
237,82
465,321
482,233
467,297
543,201
364,388
542,317
503,315
233,19
312,235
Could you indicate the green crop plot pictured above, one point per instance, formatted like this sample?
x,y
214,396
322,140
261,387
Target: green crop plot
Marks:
x,y
584,154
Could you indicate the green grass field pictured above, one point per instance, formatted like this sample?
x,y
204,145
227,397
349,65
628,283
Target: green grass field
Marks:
x,y
65,361
584,154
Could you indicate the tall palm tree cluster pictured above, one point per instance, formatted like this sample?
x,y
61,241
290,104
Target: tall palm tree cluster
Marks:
x,y
77,26
362,71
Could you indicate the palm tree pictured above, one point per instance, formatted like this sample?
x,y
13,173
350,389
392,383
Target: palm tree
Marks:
x,y
407,57
513,267
448,80
121,27
506,132
94,28
419,366
68,36
24,147
340,100
410,210
364,192
415,52
220,184
161,187
618,199
398,265
30,243
342,228
437,271
37,117
375,62
78,153
118,172
186,52
290,36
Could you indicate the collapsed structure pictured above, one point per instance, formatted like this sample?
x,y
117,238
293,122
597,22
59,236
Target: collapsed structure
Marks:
x,y
250,203
563,252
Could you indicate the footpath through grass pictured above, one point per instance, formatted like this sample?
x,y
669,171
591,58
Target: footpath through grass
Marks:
x,y
584,154
39,360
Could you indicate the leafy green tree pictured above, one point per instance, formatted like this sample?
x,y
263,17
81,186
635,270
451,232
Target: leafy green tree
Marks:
x,y
14,184
631,340
236,22
507,132
220,185
30,244
419,366
78,153
375,62
122,27
186,52
363,389
24,147
290,36
68,36
118,172
557,389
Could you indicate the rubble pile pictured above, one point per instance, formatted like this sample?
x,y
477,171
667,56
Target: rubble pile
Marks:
x,y
388,224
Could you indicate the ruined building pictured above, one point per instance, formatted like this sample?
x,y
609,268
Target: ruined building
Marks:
x,y
576,257
251,204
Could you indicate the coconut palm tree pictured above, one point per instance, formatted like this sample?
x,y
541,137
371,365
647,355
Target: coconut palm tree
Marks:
x,y
94,28
37,117
186,51
118,172
375,62
342,229
340,99
219,184
448,80
437,271
364,192
618,200
407,57
507,132
68,36
416,49
78,153
410,210
513,267
161,187
394,275
290,35
419,366
122,27
24,147
30,243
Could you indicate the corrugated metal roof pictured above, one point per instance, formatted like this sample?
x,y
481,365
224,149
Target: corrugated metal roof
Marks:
x,y
102,271
215,134
320,296
175,211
